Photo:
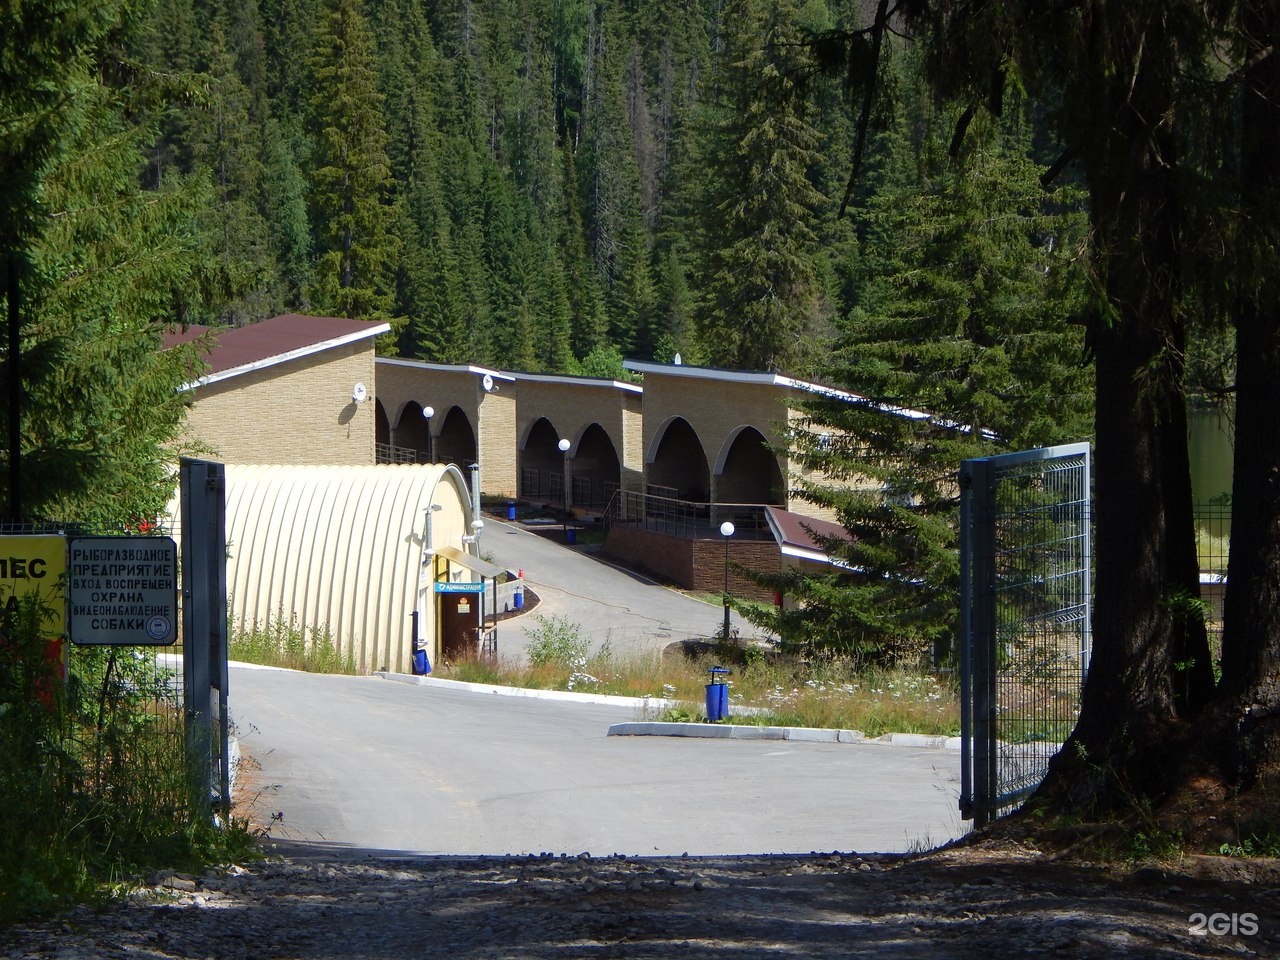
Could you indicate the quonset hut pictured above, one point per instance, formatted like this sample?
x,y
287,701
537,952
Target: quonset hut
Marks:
x,y
380,558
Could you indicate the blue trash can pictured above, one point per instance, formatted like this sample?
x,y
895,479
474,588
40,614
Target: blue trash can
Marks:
x,y
517,598
570,534
717,695
421,665
511,509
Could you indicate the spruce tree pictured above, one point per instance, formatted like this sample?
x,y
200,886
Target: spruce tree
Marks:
x,y
102,266
351,183
757,273
225,144
961,348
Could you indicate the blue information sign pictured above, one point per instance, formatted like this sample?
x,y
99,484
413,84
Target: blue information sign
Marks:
x,y
459,587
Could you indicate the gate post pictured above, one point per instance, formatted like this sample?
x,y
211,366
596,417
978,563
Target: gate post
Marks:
x,y
202,486
977,641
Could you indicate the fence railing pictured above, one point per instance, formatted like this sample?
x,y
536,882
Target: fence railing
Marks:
x,y
1213,547
686,519
389,453
1026,595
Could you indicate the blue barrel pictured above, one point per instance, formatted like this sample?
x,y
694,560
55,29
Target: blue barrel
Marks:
x,y
570,534
717,695
717,701
511,509
517,598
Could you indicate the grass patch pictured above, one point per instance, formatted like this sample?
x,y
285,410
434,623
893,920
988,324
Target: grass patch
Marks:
x,y
95,782
838,694
286,643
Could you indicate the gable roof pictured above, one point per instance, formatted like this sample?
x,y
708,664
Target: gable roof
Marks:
x,y
239,350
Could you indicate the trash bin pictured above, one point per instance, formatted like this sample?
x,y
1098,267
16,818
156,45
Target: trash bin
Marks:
x,y
570,534
421,665
511,509
517,597
717,695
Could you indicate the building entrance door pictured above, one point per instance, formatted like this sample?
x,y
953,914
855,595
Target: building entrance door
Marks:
x,y
460,625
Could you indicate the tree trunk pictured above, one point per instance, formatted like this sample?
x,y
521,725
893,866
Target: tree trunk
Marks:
x,y
1251,623
1150,669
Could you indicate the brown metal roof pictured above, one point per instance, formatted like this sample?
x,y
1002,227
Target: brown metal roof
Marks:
x,y
798,531
289,333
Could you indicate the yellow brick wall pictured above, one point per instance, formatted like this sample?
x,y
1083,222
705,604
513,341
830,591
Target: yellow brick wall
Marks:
x,y
497,443
492,415
632,454
297,412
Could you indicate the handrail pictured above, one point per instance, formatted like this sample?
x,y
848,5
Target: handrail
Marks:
x,y
686,519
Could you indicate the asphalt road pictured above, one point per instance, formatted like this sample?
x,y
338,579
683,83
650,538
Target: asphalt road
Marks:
x,y
364,763
606,602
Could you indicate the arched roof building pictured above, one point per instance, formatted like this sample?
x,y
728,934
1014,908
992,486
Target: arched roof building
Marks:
x,y
354,551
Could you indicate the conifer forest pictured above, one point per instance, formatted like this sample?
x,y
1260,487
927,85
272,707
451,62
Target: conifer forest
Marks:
x,y
553,184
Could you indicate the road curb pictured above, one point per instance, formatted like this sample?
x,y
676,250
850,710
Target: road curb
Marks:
x,y
655,728
640,703
800,734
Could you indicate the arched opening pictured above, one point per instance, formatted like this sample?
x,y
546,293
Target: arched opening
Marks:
x,y
381,428
749,471
597,472
542,464
678,468
455,440
413,432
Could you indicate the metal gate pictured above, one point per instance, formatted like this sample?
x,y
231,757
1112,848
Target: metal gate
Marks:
x,y
1025,568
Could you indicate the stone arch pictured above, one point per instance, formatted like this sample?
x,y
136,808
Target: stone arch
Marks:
x,y
747,471
454,437
677,463
413,431
596,470
542,464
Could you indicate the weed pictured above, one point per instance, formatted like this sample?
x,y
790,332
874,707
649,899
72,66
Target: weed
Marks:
x,y
95,782
1263,843
557,641
764,689
1156,843
281,642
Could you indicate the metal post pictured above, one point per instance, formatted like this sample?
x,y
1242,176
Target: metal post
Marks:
x,y
564,446
476,523
726,531
14,372
428,413
204,627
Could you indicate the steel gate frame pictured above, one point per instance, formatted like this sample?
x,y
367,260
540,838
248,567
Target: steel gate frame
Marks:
x,y
1025,618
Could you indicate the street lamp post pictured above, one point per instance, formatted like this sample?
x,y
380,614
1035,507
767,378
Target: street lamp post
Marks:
x,y
726,531
564,446
428,413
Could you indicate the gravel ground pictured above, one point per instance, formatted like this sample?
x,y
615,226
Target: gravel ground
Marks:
x,y
962,903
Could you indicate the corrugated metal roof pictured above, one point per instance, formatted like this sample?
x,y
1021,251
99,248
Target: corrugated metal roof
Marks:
x,y
275,340
339,548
